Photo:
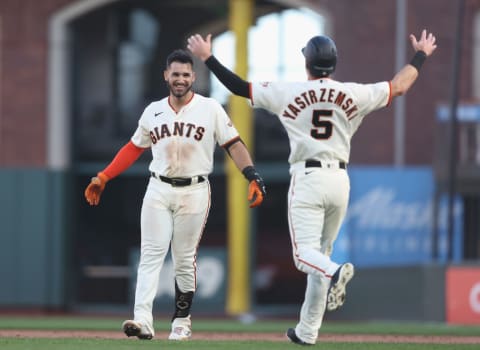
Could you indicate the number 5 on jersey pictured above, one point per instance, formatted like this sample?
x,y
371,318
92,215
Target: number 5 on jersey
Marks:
x,y
323,128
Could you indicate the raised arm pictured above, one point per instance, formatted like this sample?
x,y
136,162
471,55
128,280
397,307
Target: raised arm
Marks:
x,y
404,79
202,48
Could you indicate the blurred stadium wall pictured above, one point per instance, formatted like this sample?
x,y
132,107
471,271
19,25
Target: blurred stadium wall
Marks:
x,y
74,78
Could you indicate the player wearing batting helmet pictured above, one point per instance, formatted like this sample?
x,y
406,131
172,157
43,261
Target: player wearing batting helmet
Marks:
x,y
320,55
182,131
320,116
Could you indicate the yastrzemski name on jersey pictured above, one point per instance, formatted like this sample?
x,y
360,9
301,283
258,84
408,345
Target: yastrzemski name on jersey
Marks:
x,y
325,95
320,116
179,129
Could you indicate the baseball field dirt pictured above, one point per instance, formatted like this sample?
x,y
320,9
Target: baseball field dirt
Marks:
x,y
354,338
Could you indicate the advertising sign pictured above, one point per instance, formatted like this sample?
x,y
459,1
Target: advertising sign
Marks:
x,y
462,295
390,219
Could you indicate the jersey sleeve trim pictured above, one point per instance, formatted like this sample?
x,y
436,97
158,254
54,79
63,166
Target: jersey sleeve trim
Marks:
x,y
250,92
389,101
125,157
228,144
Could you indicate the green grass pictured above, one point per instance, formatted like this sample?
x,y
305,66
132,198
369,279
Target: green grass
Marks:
x,y
106,344
223,325
401,328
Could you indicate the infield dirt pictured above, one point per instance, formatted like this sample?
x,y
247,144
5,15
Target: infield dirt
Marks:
x,y
349,338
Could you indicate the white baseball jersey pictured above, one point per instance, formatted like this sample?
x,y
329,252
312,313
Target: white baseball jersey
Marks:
x,y
183,143
172,217
320,116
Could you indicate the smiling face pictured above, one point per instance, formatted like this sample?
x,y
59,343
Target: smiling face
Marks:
x,y
179,78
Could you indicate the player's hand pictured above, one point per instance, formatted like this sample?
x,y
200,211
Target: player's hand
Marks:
x,y
256,186
256,192
201,48
95,188
426,43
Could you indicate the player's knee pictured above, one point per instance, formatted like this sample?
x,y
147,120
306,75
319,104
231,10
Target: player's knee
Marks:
x,y
303,258
152,253
300,265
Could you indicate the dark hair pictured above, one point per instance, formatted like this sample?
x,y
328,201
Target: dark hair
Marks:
x,y
181,56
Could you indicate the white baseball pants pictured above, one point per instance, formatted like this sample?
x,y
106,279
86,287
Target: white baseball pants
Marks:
x,y
317,204
171,217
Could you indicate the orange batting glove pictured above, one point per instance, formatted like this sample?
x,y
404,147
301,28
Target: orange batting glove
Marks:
x,y
95,188
256,187
256,193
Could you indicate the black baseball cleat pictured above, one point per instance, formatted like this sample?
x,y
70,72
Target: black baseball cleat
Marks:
x,y
338,286
294,338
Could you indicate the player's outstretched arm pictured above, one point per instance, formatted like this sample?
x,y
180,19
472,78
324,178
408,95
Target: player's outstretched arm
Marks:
x,y
404,79
202,49
125,157
256,187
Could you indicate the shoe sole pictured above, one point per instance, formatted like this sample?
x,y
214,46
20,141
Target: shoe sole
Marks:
x,y
336,295
132,330
179,338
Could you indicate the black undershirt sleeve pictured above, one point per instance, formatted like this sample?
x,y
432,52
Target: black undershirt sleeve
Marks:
x,y
232,82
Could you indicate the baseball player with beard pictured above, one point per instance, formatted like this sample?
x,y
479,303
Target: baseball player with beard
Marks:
x,y
320,116
182,131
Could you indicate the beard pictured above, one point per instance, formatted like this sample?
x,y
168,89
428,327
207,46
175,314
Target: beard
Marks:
x,y
180,91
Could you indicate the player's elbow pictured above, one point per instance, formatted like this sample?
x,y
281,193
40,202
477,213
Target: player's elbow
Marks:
x,y
400,92
403,80
399,88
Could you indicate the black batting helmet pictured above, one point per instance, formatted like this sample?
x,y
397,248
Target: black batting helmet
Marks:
x,y
320,56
